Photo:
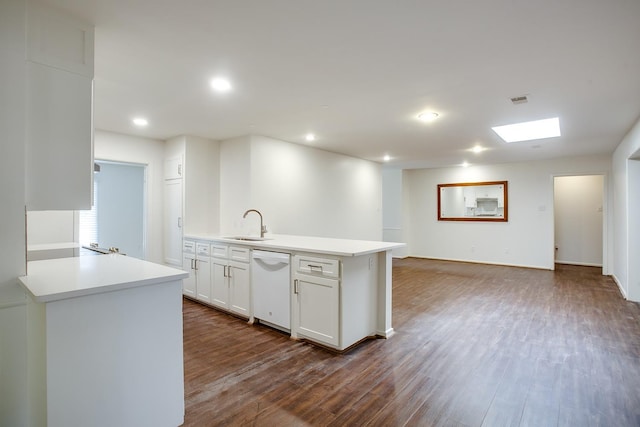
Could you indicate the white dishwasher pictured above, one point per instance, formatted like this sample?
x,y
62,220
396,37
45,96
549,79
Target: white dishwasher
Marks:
x,y
270,279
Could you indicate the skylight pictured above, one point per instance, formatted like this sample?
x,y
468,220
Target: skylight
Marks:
x,y
527,131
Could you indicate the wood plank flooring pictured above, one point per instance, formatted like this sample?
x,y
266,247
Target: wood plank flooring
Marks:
x,y
475,345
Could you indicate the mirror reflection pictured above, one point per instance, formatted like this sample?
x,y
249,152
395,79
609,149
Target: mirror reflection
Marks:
x,y
479,201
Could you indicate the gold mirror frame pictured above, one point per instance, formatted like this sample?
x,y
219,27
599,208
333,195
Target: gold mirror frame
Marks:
x,y
489,204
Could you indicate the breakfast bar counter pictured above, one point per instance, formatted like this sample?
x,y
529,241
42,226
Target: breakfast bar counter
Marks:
x,y
105,341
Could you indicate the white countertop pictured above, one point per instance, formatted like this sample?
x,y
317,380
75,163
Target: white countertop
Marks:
x,y
321,245
57,279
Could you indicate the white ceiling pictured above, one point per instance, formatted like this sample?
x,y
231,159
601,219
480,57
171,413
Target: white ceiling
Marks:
x,y
357,72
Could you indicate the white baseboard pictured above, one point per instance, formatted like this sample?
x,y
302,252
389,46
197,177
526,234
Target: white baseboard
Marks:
x,y
537,267
622,291
585,264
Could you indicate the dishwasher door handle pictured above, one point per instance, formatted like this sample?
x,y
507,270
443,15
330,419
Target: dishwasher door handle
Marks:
x,y
270,256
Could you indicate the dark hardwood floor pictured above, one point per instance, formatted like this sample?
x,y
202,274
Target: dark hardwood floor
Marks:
x,y
475,345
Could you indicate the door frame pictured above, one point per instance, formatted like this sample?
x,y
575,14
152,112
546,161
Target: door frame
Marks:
x,y
606,208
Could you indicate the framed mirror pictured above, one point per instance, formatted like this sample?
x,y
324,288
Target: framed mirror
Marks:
x,y
473,201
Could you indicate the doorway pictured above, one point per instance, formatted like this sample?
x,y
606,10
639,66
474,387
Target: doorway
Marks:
x,y
579,220
117,218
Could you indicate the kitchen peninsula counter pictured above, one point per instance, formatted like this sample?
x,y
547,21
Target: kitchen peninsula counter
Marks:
x,y
105,341
63,278
340,289
318,245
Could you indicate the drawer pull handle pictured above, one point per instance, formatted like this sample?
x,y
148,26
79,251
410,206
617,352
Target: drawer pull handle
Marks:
x,y
315,267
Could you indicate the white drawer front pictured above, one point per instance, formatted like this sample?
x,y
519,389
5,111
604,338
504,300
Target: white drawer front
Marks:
x,y
317,266
239,253
202,249
189,246
219,251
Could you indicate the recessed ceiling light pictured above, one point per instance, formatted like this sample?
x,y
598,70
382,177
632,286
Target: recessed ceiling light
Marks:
x,y
139,121
428,116
527,131
477,149
221,85
465,164
310,137
386,158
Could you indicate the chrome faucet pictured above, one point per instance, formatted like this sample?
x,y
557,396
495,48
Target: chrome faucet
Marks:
x,y
263,228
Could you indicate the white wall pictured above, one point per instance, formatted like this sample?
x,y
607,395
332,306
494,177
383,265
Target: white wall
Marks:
x,y
624,271
201,185
633,197
525,240
51,227
13,343
150,152
299,190
578,210
235,184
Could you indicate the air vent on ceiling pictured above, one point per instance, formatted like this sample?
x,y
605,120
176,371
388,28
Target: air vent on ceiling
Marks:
x,y
519,99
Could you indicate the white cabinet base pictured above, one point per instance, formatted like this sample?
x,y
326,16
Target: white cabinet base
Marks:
x,y
112,359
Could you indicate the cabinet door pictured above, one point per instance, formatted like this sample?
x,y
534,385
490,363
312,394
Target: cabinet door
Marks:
x,y
59,127
173,168
59,139
239,288
59,40
318,308
189,284
219,283
203,279
172,221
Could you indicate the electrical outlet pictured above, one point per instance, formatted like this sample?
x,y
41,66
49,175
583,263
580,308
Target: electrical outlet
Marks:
x,y
370,263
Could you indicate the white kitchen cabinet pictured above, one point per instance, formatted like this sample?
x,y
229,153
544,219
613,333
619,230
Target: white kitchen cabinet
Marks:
x,y
318,315
173,168
239,277
203,273
219,283
195,162
59,127
191,190
188,265
197,262
231,279
469,197
335,299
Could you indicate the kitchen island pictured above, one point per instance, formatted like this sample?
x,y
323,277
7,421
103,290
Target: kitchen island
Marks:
x,y
105,342
340,289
